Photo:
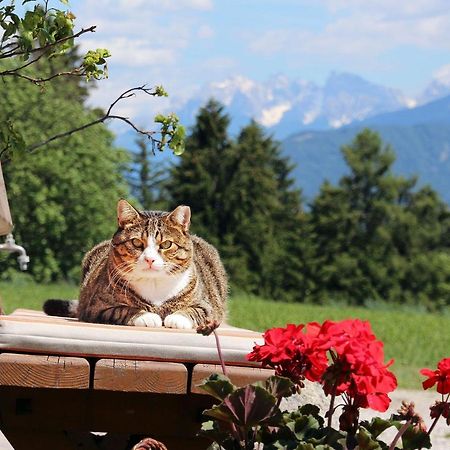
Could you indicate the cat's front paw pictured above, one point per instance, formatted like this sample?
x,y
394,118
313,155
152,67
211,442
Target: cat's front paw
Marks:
x,y
179,321
147,319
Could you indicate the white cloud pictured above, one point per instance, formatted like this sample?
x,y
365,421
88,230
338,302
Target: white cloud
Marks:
x,y
388,8
363,28
133,53
156,6
205,32
147,40
442,75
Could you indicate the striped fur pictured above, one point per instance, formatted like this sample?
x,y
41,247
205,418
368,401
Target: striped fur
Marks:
x,y
137,272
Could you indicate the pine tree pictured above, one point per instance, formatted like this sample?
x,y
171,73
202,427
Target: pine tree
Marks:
x,y
199,180
243,201
146,177
371,227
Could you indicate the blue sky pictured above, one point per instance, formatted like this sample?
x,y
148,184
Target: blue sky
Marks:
x,y
185,44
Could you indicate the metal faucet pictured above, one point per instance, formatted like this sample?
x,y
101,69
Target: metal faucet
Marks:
x,y
11,247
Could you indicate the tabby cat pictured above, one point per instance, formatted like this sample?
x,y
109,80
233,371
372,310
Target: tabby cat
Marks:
x,y
151,273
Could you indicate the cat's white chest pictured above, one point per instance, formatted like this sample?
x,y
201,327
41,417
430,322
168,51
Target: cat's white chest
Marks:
x,y
160,288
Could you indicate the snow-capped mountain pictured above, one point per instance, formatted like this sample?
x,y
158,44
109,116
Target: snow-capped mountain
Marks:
x,y
285,106
439,86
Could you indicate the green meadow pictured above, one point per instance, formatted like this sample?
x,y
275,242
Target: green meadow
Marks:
x,y
414,339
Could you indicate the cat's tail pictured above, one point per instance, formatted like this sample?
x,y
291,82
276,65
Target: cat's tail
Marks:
x,y
61,308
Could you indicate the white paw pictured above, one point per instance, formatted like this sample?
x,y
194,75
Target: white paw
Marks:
x,y
178,321
147,319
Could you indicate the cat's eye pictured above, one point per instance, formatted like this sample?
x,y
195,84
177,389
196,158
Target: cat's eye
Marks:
x,y
137,243
165,245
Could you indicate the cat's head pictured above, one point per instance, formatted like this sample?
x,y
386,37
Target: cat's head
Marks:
x,y
151,243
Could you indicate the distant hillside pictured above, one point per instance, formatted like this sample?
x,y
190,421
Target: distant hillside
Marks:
x,y
437,111
421,149
420,137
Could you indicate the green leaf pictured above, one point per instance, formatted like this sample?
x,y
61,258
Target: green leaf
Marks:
x,y
412,439
279,386
378,425
304,446
217,385
247,407
302,426
211,430
366,441
312,410
161,92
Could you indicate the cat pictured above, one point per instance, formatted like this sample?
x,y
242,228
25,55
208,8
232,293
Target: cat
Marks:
x,y
152,273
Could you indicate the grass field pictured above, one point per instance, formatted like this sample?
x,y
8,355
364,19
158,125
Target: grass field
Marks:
x,y
414,339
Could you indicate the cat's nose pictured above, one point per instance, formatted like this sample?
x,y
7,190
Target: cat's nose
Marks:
x,y
149,260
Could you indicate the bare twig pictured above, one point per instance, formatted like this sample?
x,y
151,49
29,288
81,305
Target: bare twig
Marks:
x,y
108,115
78,72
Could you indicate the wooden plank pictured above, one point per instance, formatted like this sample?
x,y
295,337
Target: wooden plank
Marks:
x,y
140,376
43,371
42,440
27,410
239,376
148,414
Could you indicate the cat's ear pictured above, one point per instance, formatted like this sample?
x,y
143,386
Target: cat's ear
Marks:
x,y
181,216
126,214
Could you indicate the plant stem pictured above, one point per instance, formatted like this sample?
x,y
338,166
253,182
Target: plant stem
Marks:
x,y
433,424
331,408
219,352
399,434
439,416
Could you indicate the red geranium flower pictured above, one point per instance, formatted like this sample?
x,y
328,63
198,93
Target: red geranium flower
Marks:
x,y
441,376
292,352
358,369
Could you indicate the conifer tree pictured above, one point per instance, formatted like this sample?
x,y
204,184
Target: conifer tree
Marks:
x,y
146,176
199,180
369,229
243,202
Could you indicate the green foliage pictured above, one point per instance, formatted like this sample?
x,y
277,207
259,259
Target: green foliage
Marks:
x,y
146,177
243,202
161,92
372,237
94,64
63,196
248,416
44,35
172,133
374,232
51,28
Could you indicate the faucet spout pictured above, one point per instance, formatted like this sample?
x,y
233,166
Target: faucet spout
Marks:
x,y
11,247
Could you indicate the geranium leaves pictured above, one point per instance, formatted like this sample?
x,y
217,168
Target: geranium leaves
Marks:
x,y
218,386
247,407
278,386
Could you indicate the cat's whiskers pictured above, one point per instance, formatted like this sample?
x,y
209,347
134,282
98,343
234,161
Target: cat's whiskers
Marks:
x,y
173,268
119,272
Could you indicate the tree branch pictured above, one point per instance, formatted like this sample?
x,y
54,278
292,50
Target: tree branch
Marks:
x,y
128,93
12,53
78,72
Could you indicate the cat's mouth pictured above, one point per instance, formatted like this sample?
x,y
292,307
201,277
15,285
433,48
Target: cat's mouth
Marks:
x,y
152,268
